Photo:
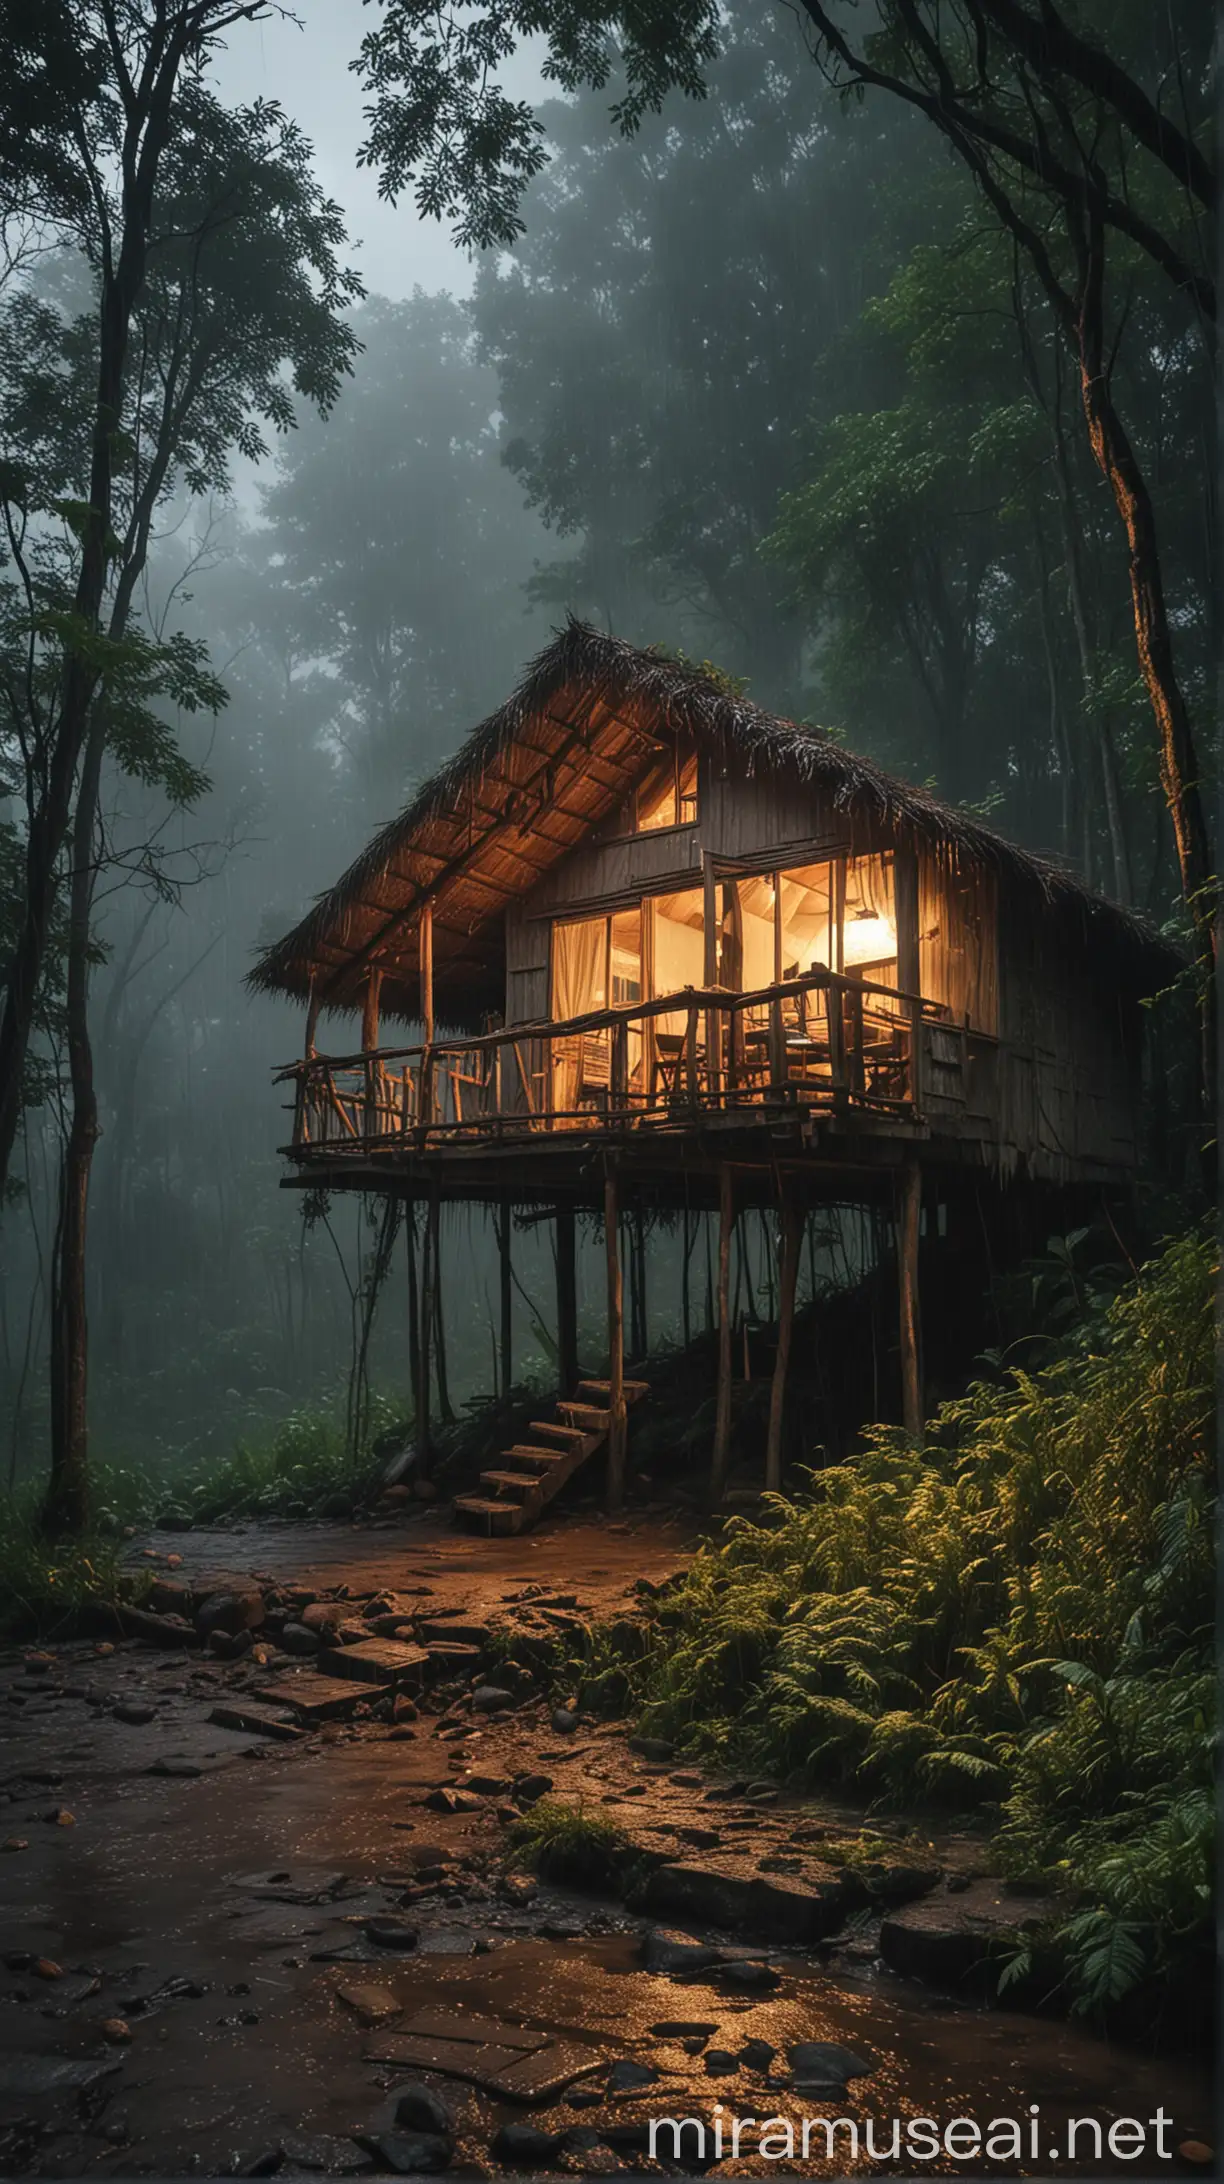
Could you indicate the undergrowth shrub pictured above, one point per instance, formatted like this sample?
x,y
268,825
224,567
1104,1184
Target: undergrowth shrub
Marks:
x,y
1016,1615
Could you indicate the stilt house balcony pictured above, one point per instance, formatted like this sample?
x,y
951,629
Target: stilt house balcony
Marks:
x,y
821,1043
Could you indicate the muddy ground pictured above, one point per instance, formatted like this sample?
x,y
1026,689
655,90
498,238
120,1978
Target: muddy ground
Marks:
x,y
234,1945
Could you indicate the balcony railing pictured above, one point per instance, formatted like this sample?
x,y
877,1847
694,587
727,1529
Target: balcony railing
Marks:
x,y
823,1040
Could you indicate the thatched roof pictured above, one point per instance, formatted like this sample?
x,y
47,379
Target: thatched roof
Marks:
x,y
533,780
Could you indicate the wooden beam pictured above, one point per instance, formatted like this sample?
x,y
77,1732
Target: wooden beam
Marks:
x,y
616,1350
788,1271
567,1301
425,1326
908,1222
426,971
722,1420
369,1012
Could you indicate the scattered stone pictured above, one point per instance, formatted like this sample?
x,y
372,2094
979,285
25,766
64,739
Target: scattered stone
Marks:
x,y
751,1974
178,1767
524,2145
419,2108
1197,2152
656,1748
491,1699
682,2028
529,1788
687,1781
103,1648
391,1934
486,1785
15,1842
720,2062
757,2054
447,1800
59,1817
453,1631
412,2153
628,2076
47,1968
230,1612
116,2031
370,2005
519,1888
227,1645
563,1721
323,1616
403,1708
820,2066
298,1639
666,1951
256,1721
700,1838
134,1712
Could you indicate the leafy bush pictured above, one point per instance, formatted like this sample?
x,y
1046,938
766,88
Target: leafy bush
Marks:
x,y
43,1586
301,1467
568,1843
1017,1615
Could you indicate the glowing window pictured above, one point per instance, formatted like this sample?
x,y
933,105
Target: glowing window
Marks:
x,y
668,795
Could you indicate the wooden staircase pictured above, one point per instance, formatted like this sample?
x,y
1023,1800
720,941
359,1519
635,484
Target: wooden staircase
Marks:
x,y
536,1470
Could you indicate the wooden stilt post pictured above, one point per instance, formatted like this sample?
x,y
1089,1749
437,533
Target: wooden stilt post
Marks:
x,y
907,1269
369,1041
506,1300
616,1350
425,1322
567,1301
427,1103
788,1271
722,1420
414,1316
312,1022
445,1407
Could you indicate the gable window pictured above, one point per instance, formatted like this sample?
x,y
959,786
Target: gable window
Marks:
x,y
667,797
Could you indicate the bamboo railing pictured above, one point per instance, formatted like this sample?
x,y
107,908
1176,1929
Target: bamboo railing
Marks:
x,y
825,1039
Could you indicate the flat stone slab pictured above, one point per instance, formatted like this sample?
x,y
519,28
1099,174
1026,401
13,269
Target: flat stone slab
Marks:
x,y
440,1630
717,1892
257,1721
28,2077
957,1940
316,1698
377,1661
510,2060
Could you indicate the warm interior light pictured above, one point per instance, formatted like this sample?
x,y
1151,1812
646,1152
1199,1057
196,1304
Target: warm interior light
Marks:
x,y
869,939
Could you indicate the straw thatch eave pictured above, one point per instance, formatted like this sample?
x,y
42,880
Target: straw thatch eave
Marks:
x,y
552,764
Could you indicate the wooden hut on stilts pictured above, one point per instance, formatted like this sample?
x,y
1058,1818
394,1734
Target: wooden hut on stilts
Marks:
x,y
667,949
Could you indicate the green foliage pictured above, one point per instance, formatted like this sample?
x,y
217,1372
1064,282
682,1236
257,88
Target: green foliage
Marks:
x,y
1015,1615
44,1586
296,1471
567,1842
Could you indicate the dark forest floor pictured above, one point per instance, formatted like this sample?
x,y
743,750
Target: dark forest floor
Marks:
x,y
191,1911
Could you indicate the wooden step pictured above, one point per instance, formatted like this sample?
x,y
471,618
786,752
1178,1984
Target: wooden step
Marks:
x,y
492,1516
542,1458
520,1481
594,1419
563,1433
634,1389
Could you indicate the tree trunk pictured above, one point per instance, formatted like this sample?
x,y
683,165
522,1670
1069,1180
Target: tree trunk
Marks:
x,y
506,1300
66,1508
445,1407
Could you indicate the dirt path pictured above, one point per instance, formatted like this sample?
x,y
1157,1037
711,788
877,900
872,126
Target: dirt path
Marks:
x,y
221,1893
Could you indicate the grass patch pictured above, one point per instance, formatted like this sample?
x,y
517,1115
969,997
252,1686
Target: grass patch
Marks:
x,y
48,1588
1016,1616
568,1843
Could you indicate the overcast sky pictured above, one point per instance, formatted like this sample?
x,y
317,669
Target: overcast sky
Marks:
x,y
306,69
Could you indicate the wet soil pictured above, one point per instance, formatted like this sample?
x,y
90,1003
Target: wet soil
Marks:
x,y
220,1911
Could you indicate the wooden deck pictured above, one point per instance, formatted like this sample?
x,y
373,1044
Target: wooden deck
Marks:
x,y
825,1045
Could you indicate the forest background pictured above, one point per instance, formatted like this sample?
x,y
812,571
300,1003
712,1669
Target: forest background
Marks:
x,y
768,381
